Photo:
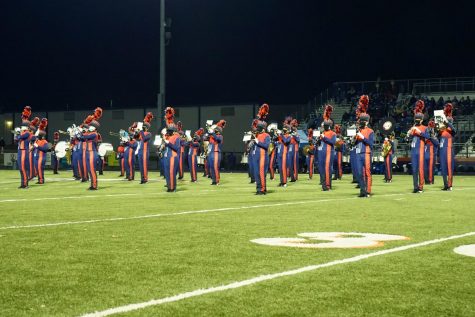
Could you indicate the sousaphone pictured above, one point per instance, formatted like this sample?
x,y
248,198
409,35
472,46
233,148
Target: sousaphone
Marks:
x,y
386,126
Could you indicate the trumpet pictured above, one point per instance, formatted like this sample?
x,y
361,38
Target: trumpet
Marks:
x,y
63,132
114,133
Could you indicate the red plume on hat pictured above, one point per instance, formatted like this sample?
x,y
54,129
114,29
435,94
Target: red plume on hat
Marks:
x,y
363,103
254,124
221,124
263,112
97,113
431,124
200,132
179,126
328,112
310,134
337,129
34,123
43,124
148,119
56,136
294,123
419,107
26,114
169,115
88,119
448,108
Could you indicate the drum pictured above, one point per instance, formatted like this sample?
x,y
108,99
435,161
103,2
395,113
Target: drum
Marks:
x,y
105,148
60,149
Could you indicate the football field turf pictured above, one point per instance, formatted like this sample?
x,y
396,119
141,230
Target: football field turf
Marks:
x,y
67,251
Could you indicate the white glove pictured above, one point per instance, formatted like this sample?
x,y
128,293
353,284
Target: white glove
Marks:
x,y
210,131
417,129
17,130
360,135
166,141
35,145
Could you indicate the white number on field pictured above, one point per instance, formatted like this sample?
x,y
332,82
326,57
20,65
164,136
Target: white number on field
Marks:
x,y
468,250
318,240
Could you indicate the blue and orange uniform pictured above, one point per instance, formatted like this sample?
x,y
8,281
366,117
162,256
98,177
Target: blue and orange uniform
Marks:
x,y
82,146
283,142
31,156
193,151
143,155
75,158
294,157
272,159
129,157
261,160
23,157
325,158
215,142
447,155
100,159
388,161
310,159
170,157
430,156
181,159
364,150
120,158
340,148
90,143
41,146
419,135
251,162
354,170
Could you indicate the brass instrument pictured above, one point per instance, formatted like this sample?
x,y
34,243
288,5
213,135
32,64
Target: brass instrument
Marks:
x,y
271,148
386,148
114,133
63,132
306,150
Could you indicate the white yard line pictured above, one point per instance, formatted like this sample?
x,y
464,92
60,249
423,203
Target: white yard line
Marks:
x,y
171,214
262,278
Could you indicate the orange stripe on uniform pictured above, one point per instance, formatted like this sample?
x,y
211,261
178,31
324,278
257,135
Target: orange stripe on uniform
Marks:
x,y
261,169
92,168
216,168
327,167
449,161
367,171
171,170
421,164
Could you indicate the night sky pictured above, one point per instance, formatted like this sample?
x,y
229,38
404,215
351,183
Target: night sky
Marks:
x,y
85,53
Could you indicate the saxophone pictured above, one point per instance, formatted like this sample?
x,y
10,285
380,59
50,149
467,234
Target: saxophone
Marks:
x,y
386,148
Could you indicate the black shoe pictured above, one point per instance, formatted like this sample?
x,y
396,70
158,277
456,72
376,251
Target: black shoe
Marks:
x,y
214,183
293,180
40,183
55,173
83,180
101,173
121,175
259,193
325,189
252,182
357,186
181,177
334,179
23,187
363,195
92,188
143,182
130,179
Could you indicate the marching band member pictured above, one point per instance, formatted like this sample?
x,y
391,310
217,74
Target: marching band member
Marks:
x,y
120,158
326,150
181,157
32,151
100,160
129,155
364,144
273,136
261,158
216,143
143,155
250,155
282,152
340,148
54,158
294,152
172,149
82,152
430,153
388,151
205,139
419,134
22,137
75,157
193,151
91,138
447,154
41,146
311,154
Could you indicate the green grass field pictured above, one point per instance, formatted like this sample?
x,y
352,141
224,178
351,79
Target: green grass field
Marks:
x,y
66,251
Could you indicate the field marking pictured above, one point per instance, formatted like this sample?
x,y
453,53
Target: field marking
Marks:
x,y
54,224
468,250
64,223
267,277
